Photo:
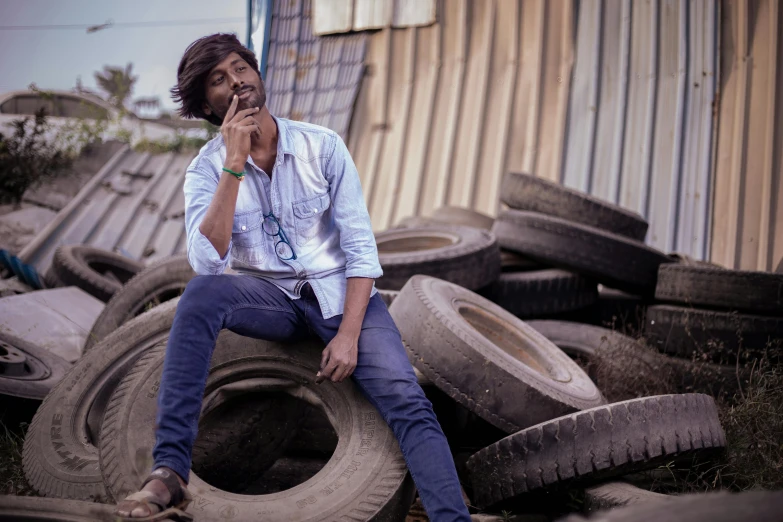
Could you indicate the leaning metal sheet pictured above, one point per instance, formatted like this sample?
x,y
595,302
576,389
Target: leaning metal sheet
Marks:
x,y
134,206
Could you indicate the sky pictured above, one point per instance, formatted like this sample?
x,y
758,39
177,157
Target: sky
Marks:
x,y
54,58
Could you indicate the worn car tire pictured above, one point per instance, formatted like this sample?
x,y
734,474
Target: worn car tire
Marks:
x,y
611,358
28,371
480,355
244,437
758,506
98,272
526,192
449,216
37,509
463,216
514,262
541,292
685,331
465,256
611,259
595,444
374,480
155,284
713,287
60,455
615,494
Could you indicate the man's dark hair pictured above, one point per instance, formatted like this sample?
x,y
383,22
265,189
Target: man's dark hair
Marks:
x,y
199,58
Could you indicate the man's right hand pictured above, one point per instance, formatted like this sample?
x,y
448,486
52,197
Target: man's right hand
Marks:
x,y
236,130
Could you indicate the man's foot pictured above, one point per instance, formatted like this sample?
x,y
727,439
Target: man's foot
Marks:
x,y
164,492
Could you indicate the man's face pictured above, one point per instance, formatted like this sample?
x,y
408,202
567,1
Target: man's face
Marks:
x,y
233,76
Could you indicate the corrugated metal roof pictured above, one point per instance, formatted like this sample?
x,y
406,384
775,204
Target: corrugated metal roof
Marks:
x,y
748,209
311,78
612,98
134,205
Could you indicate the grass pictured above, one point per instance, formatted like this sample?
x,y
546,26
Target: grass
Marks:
x,y
749,401
12,476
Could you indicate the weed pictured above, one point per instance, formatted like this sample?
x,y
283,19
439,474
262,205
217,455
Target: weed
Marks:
x,y
12,477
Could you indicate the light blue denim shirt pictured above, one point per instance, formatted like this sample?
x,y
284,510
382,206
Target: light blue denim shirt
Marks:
x,y
317,198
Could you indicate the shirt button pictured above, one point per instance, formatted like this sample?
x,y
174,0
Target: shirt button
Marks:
x,y
315,210
244,227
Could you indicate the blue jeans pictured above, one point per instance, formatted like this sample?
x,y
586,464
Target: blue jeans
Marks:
x,y
254,307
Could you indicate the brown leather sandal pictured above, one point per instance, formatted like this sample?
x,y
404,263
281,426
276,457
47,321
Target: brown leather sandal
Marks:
x,y
174,511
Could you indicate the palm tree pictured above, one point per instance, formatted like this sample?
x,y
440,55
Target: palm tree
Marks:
x,y
117,83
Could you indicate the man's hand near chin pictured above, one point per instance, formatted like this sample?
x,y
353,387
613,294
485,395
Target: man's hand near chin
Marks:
x,y
340,356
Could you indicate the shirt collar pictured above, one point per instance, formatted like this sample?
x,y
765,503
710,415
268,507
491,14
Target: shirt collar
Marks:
x,y
284,143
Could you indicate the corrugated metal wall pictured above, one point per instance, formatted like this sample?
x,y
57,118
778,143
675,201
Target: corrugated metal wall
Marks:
x,y
613,97
748,217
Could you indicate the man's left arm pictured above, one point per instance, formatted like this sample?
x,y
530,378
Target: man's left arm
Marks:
x,y
361,268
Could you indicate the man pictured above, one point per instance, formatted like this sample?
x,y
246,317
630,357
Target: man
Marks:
x,y
281,201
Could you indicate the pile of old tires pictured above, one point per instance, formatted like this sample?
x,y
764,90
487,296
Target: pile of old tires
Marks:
x,y
527,334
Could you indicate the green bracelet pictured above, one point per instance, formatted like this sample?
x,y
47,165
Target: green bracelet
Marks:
x,y
239,175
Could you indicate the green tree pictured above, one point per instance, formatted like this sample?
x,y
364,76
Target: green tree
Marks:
x,y
27,158
117,83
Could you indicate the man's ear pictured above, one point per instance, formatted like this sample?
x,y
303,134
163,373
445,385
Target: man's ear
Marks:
x,y
206,108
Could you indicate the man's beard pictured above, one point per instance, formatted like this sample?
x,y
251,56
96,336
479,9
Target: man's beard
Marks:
x,y
257,98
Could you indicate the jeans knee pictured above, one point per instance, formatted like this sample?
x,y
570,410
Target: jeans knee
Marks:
x,y
206,292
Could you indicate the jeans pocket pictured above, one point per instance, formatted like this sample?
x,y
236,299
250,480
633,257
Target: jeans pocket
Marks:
x,y
311,216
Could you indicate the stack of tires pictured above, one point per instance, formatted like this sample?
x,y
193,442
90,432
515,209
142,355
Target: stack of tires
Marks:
x,y
527,334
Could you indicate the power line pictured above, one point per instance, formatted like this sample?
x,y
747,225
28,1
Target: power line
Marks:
x,y
159,23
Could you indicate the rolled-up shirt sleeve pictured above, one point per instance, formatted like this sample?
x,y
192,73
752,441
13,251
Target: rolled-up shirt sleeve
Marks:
x,y
350,213
200,186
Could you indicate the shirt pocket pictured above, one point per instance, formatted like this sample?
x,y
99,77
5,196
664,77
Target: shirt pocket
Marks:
x,y
247,238
310,217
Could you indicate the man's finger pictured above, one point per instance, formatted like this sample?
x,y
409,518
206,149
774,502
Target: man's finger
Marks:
x,y
232,109
330,369
325,357
244,113
320,377
347,372
240,121
343,374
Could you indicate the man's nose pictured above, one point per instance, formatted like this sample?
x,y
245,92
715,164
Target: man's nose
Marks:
x,y
235,82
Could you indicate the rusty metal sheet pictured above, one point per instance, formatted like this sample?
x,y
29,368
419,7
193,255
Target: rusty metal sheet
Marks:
x,y
523,135
610,125
669,116
503,71
445,120
413,173
583,106
385,192
693,216
747,227
639,119
472,110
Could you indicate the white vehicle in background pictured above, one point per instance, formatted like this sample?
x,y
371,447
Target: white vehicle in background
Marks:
x,y
64,108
